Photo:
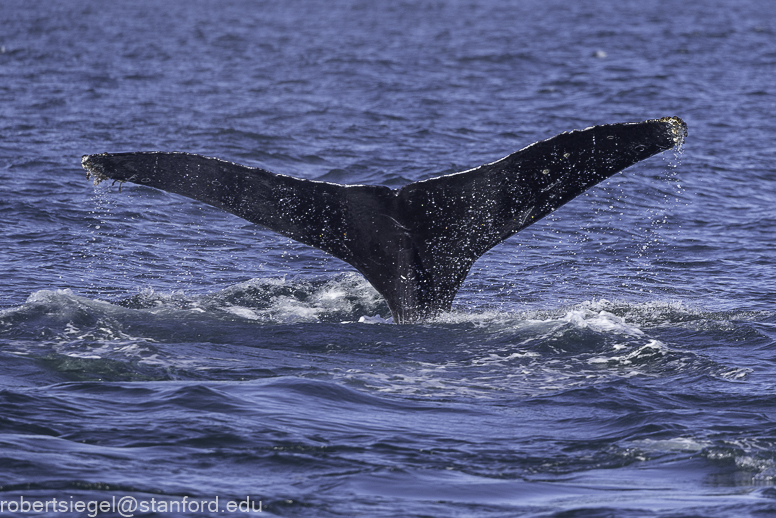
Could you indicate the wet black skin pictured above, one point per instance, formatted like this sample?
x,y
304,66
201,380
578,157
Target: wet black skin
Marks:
x,y
415,244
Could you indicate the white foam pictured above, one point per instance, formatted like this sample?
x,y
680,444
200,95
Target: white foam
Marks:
x,y
377,319
686,444
650,348
601,322
242,312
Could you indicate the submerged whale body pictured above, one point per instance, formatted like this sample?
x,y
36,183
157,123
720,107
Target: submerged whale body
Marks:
x,y
415,244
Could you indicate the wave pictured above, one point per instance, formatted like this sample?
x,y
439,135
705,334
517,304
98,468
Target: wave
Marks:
x,y
319,328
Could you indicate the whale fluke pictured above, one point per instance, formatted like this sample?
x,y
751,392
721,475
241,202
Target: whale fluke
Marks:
x,y
415,244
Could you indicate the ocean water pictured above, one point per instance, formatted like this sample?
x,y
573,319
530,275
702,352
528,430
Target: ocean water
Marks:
x,y
159,357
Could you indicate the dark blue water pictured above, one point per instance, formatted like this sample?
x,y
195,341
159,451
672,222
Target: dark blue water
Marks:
x,y
615,359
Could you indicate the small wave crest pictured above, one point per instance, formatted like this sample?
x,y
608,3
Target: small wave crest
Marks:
x,y
748,461
346,297
153,335
252,329
498,354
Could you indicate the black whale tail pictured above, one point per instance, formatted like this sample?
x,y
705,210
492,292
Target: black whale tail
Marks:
x,y
415,245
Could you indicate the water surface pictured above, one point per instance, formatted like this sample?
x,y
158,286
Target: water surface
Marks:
x,y
614,359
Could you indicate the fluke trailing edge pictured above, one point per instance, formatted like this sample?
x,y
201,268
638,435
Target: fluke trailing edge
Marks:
x,y
415,244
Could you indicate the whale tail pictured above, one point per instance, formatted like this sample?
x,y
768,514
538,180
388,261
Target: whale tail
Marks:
x,y
416,244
